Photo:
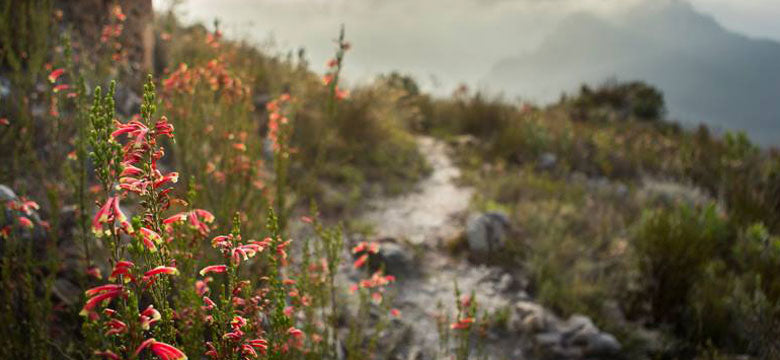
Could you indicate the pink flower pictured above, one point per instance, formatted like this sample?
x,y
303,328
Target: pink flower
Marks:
x,y
395,313
107,354
149,317
162,350
462,324
60,87
25,222
122,268
168,270
94,271
99,295
130,170
213,268
55,74
198,219
237,322
115,327
171,177
163,127
372,248
108,213
150,238
210,304
102,289
135,130
361,261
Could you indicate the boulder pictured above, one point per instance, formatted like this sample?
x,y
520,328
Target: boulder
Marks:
x,y
601,344
546,161
396,258
486,233
530,317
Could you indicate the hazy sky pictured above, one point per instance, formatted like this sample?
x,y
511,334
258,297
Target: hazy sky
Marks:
x,y
441,42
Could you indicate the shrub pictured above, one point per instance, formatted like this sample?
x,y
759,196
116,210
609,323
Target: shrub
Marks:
x,y
672,249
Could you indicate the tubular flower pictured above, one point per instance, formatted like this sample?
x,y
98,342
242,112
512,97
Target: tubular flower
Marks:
x,y
222,241
149,317
150,238
60,87
202,286
238,322
163,127
94,272
361,261
102,288
462,324
169,270
115,327
100,294
108,213
54,75
136,131
25,222
214,269
107,354
161,349
130,170
198,220
23,205
363,246
122,268
209,303
171,177
246,251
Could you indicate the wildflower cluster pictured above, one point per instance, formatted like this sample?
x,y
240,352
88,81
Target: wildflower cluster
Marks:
x,y
214,74
331,77
112,31
23,210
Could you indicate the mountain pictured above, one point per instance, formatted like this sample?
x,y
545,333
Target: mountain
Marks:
x,y
707,73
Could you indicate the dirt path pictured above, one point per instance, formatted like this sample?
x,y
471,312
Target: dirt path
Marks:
x,y
427,213
422,220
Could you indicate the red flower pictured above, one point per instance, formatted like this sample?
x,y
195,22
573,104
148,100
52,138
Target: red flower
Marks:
x,y
94,271
25,222
121,268
55,74
213,268
108,354
162,350
99,295
150,238
372,248
149,317
4,121
171,177
168,270
462,324
60,87
108,213
395,313
163,127
115,327
361,261
198,219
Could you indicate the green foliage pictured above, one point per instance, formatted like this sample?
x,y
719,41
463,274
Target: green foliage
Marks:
x,y
673,248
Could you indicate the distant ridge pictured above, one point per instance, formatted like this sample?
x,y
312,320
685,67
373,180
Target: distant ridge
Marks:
x,y
707,73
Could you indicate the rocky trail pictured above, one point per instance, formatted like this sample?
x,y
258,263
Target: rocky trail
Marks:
x,y
413,231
